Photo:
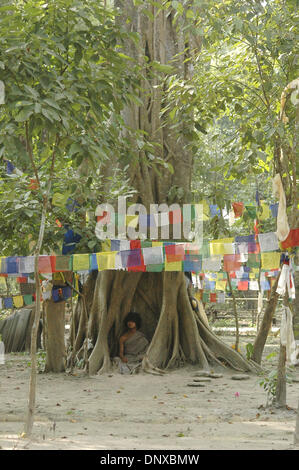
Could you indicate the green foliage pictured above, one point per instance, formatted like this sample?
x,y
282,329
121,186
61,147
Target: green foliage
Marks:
x,y
247,57
269,383
269,379
65,79
249,350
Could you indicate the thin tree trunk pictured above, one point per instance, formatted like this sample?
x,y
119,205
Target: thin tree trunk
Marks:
x,y
55,343
235,313
265,327
296,434
281,387
32,383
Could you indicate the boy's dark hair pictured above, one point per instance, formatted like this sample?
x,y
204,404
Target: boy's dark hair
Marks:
x,y
135,317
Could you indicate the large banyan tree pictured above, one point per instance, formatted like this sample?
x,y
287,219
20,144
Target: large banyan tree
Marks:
x,y
177,334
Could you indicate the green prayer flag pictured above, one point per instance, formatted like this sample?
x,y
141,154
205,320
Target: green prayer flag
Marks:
x,y
155,268
27,299
253,260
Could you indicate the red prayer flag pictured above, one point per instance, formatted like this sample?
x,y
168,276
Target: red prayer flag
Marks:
x,y
291,240
135,244
174,253
175,217
231,262
243,285
238,208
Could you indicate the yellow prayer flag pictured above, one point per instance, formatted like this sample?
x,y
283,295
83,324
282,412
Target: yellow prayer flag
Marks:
x,y
106,245
132,220
80,262
205,210
270,260
173,266
222,246
106,260
220,285
157,243
2,283
18,301
263,211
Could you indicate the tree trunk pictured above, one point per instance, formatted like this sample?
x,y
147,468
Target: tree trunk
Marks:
x,y
235,312
296,434
176,333
266,323
281,387
55,342
296,306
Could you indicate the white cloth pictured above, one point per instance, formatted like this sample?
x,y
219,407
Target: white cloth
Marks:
x,y
26,265
268,241
47,287
221,297
283,228
153,255
287,336
118,263
286,281
124,245
253,285
46,295
260,302
211,264
2,351
2,92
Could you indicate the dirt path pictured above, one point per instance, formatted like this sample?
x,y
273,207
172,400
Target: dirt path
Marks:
x,y
142,411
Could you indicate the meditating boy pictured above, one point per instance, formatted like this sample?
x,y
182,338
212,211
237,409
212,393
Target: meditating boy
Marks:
x,y
132,344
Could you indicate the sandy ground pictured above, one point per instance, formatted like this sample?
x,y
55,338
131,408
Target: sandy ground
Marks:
x,y
142,411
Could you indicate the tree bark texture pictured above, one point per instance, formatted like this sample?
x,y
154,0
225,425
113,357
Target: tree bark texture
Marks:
x,y
296,434
281,387
55,331
266,323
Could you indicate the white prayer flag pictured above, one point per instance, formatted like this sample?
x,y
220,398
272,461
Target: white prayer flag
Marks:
x,y
268,241
153,255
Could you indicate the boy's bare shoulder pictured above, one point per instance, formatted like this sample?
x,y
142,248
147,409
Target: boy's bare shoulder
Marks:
x,y
123,338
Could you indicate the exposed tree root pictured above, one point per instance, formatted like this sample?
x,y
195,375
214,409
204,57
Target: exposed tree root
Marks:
x,y
177,334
